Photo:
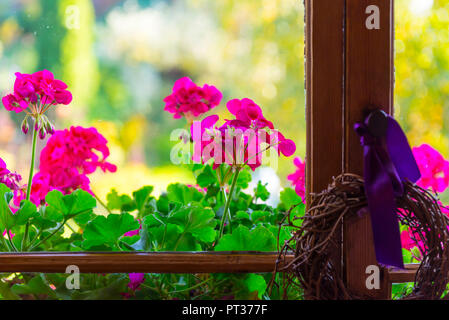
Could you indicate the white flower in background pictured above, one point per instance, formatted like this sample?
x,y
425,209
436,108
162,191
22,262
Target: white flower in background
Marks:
x,y
163,34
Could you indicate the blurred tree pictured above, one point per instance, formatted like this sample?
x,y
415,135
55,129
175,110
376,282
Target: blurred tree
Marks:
x,y
422,71
78,59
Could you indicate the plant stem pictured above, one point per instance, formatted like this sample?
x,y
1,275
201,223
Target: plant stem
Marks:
x,y
102,203
179,240
49,236
4,241
63,223
30,181
228,203
10,241
33,157
192,287
227,212
70,227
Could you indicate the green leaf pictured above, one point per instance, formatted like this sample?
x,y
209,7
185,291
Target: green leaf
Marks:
x,y
120,202
14,222
6,216
181,193
112,291
289,198
44,221
259,216
200,222
6,292
244,179
8,220
162,204
154,220
284,233
142,196
244,239
256,283
37,285
83,219
261,192
207,177
108,230
242,215
26,211
171,238
63,207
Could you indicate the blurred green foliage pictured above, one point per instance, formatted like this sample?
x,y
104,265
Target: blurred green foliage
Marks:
x,y
422,72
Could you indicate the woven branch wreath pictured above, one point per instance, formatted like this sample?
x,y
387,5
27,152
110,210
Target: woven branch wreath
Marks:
x,y
314,242
389,192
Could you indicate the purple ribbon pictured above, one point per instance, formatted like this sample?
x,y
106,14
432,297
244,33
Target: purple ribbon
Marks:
x,y
388,162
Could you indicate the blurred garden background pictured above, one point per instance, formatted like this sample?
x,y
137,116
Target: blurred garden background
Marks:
x,y
120,58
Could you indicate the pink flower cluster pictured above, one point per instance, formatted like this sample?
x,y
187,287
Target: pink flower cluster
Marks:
x,y
298,178
407,235
239,141
433,167
68,158
135,280
12,181
434,175
37,89
8,178
408,243
190,100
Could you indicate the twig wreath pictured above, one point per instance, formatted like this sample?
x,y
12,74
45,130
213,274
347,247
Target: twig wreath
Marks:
x,y
314,242
391,197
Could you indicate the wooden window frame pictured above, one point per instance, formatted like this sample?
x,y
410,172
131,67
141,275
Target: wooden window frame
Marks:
x,y
347,68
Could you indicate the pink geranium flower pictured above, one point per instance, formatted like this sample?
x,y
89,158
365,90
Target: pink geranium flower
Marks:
x,y
433,167
66,161
36,91
12,181
190,100
239,141
247,114
407,241
13,102
298,178
135,280
8,178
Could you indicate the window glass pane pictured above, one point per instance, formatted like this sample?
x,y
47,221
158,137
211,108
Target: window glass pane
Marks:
x,y
120,61
421,104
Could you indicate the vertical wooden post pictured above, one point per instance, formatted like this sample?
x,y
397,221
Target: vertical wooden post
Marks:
x,y
369,81
324,108
348,67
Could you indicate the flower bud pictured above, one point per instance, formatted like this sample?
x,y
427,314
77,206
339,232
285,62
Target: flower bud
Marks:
x,y
42,133
36,124
51,131
47,125
25,126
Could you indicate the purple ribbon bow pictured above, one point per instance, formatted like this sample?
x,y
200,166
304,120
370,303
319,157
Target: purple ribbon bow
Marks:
x,y
388,161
